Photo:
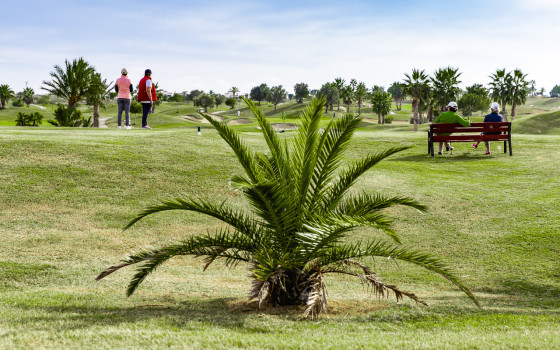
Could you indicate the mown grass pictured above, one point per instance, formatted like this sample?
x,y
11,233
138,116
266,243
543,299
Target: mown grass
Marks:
x,y
65,194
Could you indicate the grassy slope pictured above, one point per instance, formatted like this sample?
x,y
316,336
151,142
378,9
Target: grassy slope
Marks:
x,y
65,194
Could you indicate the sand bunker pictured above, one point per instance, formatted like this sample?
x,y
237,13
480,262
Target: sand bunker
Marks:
x,y
197,119
240,121
280,126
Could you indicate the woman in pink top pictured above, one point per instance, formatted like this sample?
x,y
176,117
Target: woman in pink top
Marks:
x,y
123,87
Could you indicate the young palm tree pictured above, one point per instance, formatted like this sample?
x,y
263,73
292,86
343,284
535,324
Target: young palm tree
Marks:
x,y
72,82
396,92
500,87
302,213
445,86
519,90
361,92
381,103
339,84
27,95
5,94
98,91
416,85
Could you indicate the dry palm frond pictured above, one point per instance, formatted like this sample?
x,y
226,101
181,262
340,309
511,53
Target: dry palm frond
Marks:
x,y
317,301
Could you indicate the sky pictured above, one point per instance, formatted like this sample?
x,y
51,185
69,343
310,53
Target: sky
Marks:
x,y
215,45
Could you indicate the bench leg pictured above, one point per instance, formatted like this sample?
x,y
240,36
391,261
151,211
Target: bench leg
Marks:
x,y
510,152
505,146
432,143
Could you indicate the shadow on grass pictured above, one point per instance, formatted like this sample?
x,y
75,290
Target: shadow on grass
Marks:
x,y
226,313
445,158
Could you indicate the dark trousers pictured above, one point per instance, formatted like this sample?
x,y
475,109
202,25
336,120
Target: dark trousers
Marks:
x,y
123,105
146,107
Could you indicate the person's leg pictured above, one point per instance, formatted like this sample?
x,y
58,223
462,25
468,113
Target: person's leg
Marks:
x,y
127,112
440,147
487,144
145,110
120,107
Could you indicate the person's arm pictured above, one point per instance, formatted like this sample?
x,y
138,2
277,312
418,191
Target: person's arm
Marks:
x,y
116,88
131,88
463,122
149,92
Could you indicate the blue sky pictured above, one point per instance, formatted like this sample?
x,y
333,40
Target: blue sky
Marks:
x,y
214,45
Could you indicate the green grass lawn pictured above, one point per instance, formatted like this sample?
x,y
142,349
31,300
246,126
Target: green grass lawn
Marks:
x,y
65,195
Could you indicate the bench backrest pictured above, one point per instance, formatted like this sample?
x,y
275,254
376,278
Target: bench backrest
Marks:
x,y
445,128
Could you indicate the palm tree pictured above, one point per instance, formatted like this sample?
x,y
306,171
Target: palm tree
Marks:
x,y
339,84
361,92
98,91
27,95
302,214
381,104
445,86
500,88
416,85
533,89
72,82
234,90
396,92
347,96
519,90
6,94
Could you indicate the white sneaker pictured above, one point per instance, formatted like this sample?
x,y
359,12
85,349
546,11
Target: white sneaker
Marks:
x,y
118,127
128,127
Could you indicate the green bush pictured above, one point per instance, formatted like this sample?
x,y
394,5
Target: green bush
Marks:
x,y
29,119
17,103
389,119
71,117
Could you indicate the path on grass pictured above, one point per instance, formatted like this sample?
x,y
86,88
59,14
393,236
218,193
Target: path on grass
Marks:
x,y
102,122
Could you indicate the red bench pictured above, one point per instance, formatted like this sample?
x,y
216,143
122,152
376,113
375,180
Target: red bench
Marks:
x,y
469,133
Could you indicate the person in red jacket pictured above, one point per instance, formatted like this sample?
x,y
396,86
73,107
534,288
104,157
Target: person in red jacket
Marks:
x,y
146,96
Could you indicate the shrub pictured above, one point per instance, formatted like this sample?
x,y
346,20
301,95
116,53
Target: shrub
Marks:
x,y
17,102
389,119
69,117
29,119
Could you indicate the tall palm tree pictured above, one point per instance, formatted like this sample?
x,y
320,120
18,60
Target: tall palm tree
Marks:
x,y
27,95
445,85
339,84
70,82
302,214
347,95
6,94
361,92
533,88
519,90
96,95
416,85
234,90
381,104
500,87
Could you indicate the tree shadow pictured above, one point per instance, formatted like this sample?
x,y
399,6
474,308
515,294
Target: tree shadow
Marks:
x,y
445,158
226,313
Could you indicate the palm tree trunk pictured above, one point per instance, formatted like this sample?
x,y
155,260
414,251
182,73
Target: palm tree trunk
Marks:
x,y
513,108
415,111
504,112
378,118
359,107
95,115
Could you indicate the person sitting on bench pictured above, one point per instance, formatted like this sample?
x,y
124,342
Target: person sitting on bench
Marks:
x,y
492,117
450,117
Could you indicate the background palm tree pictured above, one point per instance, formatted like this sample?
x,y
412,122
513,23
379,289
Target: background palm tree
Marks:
x,y
416,85
500,87
96,95
361,93
234,91
519,90
533,83
347,95
396,92
445,86
381,103
72,82
6,94
339,84
302,213
27,95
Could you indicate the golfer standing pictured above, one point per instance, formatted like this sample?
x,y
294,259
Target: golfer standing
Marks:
x,y
146,96
123,87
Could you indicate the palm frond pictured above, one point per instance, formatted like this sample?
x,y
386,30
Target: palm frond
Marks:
x,y
235,218
350,175
317,300
366,203
382,249
244,155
